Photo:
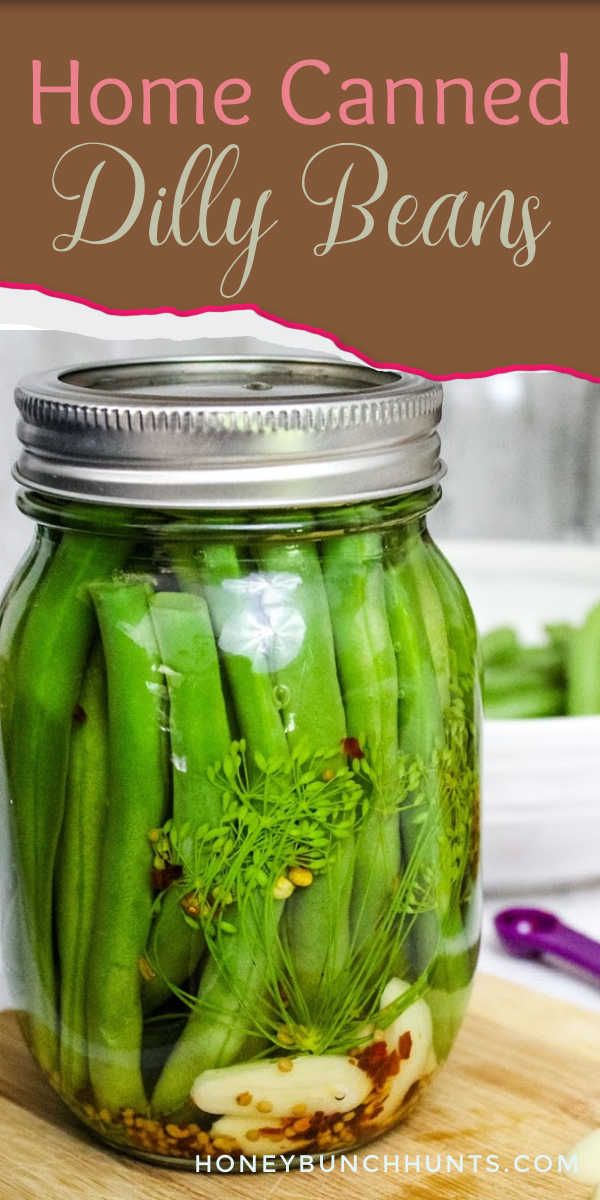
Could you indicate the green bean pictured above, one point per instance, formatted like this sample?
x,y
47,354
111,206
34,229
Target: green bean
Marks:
x,y
453,972
461,633
78,869
13,613
252,691
224,1015
137,805
367,667
217,1027
312,706
317,929
421,731
173,952
51,659
447,622
199,734
198,724
428,599
465,651
317,922
584,667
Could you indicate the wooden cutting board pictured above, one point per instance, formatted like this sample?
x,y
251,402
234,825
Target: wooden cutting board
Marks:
x,y
524,1079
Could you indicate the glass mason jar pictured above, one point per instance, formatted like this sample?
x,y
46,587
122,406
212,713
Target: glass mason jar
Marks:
x,y
240,713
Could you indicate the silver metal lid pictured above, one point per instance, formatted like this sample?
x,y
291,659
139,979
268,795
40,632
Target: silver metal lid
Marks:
x,y
227,432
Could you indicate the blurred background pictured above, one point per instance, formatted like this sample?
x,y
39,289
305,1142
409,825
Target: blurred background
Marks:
x,y
522,451
522,448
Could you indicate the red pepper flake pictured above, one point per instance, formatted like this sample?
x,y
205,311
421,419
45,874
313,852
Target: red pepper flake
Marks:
x,y
371,1058
405,1045
352,747
393,1065
79,715
162,877
378,1063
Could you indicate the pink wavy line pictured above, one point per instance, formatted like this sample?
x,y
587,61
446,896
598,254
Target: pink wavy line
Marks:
x,y
298,327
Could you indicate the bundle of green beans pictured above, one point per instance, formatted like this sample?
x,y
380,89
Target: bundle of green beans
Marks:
x,y
244,786
559,677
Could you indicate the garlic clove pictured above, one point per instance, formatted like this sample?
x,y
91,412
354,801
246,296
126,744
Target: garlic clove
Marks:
x,y
416,1021
256,1136
393,990
327,1083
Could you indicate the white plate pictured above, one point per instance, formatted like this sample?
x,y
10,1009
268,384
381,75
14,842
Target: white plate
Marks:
x,y
541,778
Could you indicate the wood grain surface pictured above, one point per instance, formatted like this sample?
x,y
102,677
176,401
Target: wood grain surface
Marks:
x,y
524,1079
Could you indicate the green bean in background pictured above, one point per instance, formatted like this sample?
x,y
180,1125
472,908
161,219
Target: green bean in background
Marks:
x,y
525,703
524,682
583,697
138,803
559,635
354,581
502,682
544,661
500,646
78,869
522,691
54,646
317,920
199,737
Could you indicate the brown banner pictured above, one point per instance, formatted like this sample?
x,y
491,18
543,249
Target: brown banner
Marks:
x,y
417,179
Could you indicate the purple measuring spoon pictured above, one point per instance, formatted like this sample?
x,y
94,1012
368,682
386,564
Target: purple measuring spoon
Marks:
x,y
531,932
